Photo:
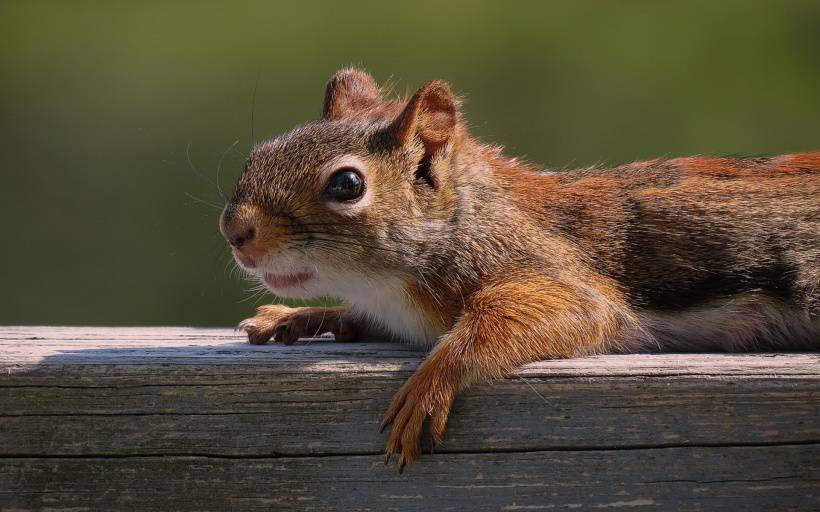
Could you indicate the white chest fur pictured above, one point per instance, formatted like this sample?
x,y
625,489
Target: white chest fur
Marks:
x,y
386,302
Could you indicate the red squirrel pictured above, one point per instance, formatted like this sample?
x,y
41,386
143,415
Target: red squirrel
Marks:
x,y
436,239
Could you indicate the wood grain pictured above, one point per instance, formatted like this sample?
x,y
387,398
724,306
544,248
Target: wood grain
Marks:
x,y
123,418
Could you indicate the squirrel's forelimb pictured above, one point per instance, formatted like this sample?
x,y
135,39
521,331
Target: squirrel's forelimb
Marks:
x,y
504,325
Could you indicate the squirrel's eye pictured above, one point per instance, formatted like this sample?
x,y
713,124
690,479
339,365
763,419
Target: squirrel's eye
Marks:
x,y
346,184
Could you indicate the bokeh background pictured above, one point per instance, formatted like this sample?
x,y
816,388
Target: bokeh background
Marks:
x,y
110,111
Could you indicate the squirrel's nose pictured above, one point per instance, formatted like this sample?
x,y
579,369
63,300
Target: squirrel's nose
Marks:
x,y
237,229
239,239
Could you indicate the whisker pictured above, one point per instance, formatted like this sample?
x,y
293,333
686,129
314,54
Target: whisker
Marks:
x,y
203,201
355,243
353,236
219,170
199,174
256,295
253,104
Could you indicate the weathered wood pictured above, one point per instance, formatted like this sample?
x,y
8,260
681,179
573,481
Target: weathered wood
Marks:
x,y
732,479
126,418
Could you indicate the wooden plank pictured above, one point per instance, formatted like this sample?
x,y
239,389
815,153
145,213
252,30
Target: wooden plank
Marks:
x,y
266,414
685,479
136,409
198,392
21,347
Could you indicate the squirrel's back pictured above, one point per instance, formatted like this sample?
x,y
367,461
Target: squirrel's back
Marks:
x,y
680,232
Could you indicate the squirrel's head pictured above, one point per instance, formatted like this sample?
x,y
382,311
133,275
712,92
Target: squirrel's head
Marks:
x,y
363,193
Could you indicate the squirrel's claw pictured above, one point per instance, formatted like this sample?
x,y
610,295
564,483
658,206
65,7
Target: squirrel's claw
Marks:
x,y
256,334
419,398
245,326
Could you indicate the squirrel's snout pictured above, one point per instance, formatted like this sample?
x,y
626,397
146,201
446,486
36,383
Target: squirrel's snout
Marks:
x,y
240,232
243,247
236,228
252,233
238,240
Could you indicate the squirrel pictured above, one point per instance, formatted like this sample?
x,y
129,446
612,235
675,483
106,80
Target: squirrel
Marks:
x,y
434,238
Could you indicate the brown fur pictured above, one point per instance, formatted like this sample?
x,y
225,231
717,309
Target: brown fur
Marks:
x,y
510,265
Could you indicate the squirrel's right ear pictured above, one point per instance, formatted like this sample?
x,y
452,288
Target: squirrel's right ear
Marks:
x,y
431,116
349,91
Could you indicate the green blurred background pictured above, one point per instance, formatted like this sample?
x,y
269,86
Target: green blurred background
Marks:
x,y
100,101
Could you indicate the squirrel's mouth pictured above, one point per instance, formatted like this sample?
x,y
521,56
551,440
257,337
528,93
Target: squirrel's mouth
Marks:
x,y
281,281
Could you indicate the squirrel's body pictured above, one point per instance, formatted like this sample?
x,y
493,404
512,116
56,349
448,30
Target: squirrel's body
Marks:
x,y
438,240
692,236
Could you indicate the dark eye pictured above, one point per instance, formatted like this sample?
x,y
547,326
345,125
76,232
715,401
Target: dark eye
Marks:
x,y
346,184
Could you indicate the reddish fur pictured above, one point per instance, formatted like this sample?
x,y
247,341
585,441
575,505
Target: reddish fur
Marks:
x,y
799,163
504,325
670,254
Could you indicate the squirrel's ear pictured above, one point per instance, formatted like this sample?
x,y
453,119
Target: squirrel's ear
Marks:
x,y
348,91
431,115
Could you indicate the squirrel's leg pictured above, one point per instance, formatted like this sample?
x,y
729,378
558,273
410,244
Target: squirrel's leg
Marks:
x,y
502,326
286,324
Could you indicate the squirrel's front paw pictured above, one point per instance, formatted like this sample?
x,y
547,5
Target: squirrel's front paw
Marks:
x,y
423,395
282,323
287,325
